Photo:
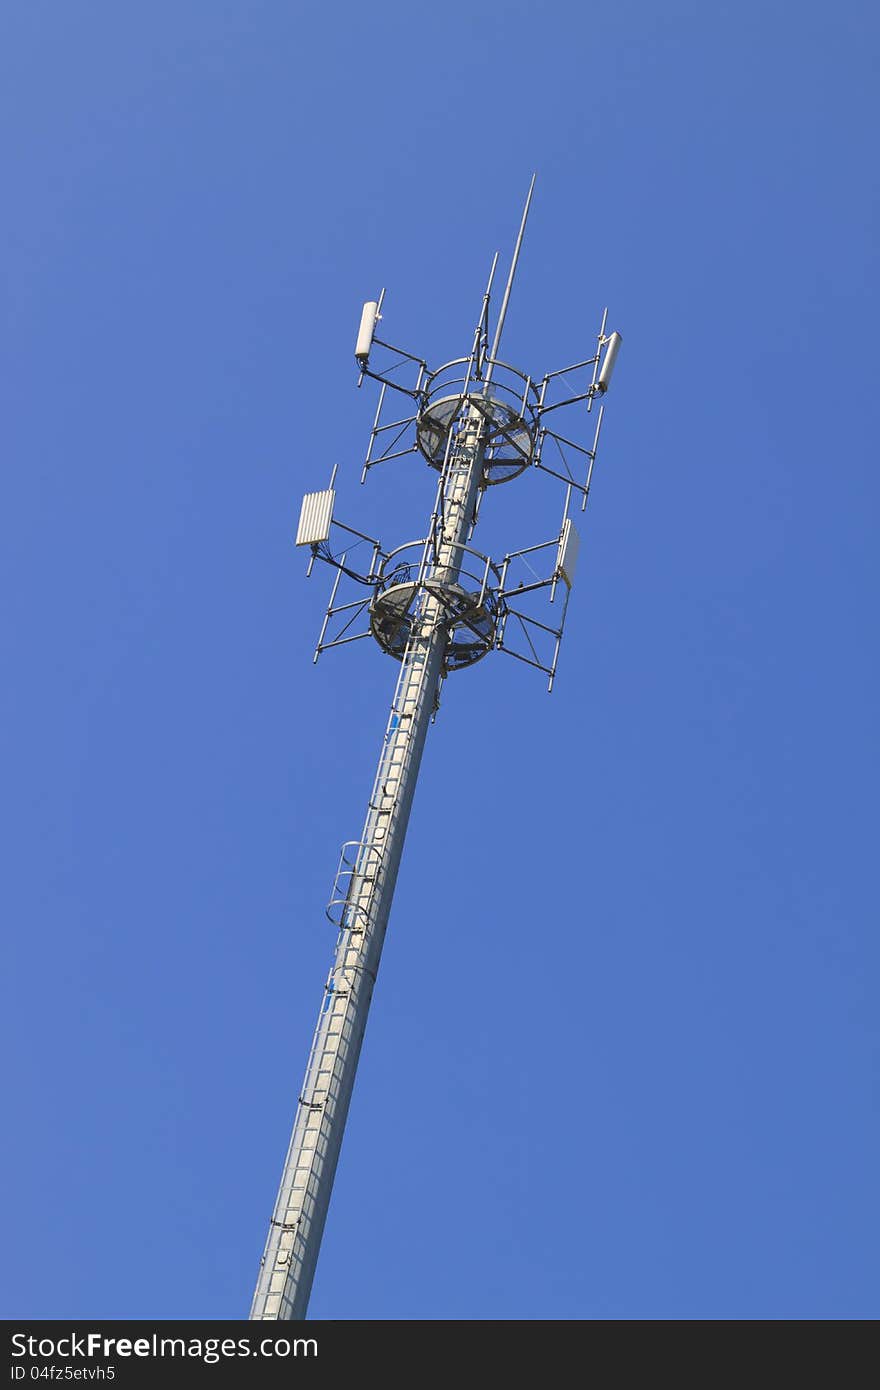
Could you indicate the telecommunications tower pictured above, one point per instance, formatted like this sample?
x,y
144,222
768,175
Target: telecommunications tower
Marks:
x,y
436,605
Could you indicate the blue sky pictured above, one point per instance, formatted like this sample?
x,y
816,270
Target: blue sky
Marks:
x,y
623,1051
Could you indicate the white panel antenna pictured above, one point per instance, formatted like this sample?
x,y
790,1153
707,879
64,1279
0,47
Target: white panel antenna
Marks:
x,y
315,517
366,331
612,348
569,545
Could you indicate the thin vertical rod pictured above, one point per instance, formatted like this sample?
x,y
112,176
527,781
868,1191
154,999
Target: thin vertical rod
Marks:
x,y
502,313
482,330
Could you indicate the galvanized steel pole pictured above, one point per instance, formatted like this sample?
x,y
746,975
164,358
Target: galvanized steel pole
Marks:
x,y
290,1256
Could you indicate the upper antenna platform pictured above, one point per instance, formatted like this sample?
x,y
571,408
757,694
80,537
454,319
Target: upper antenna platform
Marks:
x,y
503,411
508,404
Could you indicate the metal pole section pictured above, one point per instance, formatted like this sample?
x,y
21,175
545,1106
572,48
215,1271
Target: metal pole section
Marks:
x,y
288,1264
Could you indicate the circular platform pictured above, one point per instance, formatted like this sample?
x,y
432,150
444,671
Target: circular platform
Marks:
x,y
471,619
508,407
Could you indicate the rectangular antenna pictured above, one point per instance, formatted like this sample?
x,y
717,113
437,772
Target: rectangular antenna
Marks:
x,y
315,517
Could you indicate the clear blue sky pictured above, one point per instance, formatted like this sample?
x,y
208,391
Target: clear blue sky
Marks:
x,y
623,1053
